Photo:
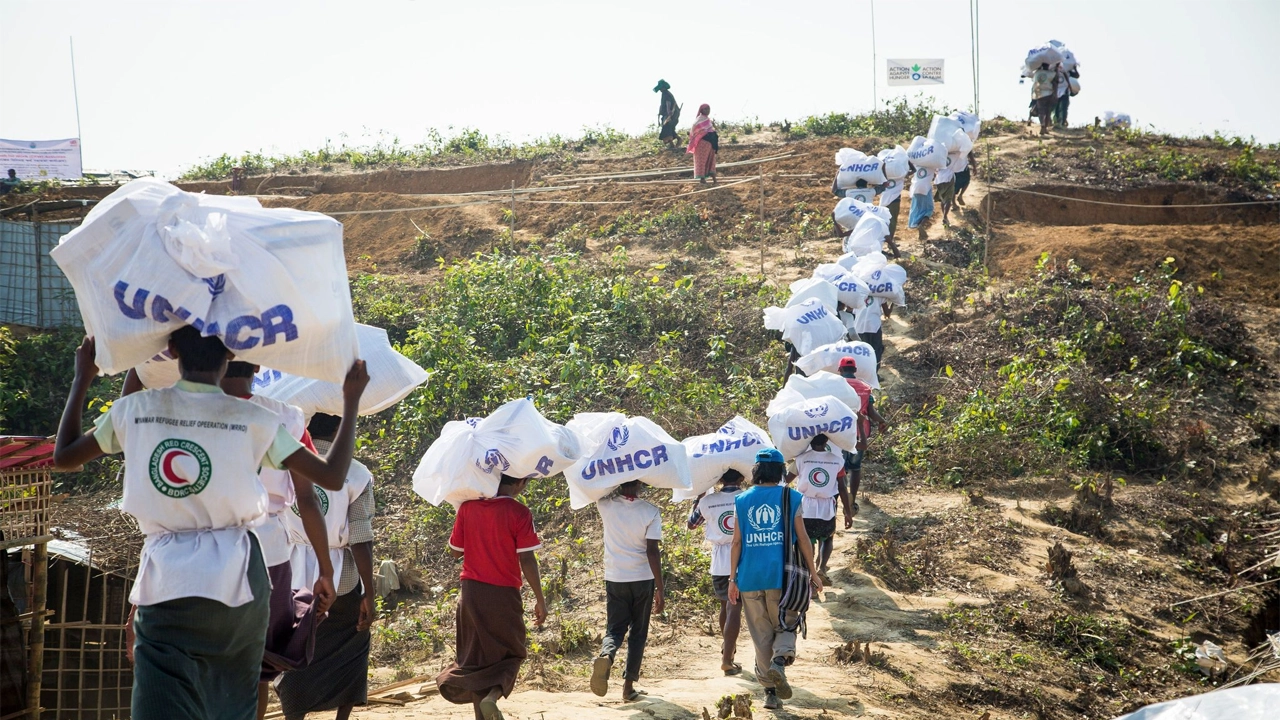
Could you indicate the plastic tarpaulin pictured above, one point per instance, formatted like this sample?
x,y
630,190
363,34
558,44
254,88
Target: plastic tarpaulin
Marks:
x,y
1251,702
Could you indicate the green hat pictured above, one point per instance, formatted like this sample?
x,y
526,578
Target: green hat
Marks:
x,y
769,455
662,85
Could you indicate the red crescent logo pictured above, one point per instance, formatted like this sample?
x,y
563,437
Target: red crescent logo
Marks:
x,y
166,467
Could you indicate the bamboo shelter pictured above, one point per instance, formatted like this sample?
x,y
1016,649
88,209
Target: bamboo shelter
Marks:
x,y
26,484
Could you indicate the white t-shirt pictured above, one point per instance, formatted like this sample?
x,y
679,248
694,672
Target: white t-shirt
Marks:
x,y
946,174
719,517
892,191
865,194
870,318
817,474
272,534
628,524
1063,83
922,183
959,162
192,484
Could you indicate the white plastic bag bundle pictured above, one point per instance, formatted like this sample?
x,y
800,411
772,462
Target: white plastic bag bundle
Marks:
x,y
1116,120
847,260
805,326
849,211
970,122
819,384
927,153
896,163
272,283
732,447
850,291
392,376
867,236
854,166
961,143
619,449
943,130
885,280
827,359
814,288
1069,61
468,459
794,426
1073,85
1044,54
1251,702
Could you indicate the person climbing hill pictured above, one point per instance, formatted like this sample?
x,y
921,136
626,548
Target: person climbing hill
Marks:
x,y
668,116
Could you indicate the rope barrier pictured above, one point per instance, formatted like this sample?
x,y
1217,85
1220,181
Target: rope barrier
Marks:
x,y
1131,205
640,200
413,209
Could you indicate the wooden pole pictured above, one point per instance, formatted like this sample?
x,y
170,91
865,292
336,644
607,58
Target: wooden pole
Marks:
x,y
35,642
513,211
762,225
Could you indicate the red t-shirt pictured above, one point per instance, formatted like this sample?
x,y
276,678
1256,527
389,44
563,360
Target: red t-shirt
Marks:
x,y
490,534
864,394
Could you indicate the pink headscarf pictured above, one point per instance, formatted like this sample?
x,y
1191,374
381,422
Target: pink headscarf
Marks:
x,y
701,126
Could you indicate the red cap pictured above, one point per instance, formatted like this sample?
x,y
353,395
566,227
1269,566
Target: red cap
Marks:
x,y
848,362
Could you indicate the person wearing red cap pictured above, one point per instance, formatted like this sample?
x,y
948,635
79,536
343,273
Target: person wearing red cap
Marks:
x,y
866,412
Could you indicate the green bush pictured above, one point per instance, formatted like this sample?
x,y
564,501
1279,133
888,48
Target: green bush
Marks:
x,y
901,119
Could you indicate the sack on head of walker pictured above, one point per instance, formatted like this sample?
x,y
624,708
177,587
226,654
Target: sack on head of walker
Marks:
x,y
470,457
271,282
618,449
1040,55
732,447
885,280
961,143
868,235
896,163
820,383
943,130
850,291
854,166
805,326
815,288
970,122
794,427
849,211
1073,86
927,153
827,359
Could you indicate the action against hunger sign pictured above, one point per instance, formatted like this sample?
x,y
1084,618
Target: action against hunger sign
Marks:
x,y
915,71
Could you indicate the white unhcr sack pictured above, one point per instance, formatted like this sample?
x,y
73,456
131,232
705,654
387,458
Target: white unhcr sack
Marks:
x,y
970,122
827,359
272,283
854,166
896,163
819,384
1046,53
868,235
885,280
794,427
813,288
961,143
805,326
732,447
470,457
1073,85
619,449
850,291
850,210
927,153
943,130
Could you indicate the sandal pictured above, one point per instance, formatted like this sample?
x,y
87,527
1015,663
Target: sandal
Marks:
x,y
731,669
634,695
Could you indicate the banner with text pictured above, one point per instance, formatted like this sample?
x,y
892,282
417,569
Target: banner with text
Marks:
x,y
916,71
41,159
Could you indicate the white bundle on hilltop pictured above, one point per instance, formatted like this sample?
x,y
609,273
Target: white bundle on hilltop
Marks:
x,y
927,153
794,427
271,282
896,163
951,134
855,165
850,291
970,122
470,457
805,326
618,449
819,384
392,376
827,359
1052,53
732,447
868,235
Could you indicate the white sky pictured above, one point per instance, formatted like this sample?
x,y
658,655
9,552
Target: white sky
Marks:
x,y
165,84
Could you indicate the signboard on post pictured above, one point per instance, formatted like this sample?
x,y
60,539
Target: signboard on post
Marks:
x,y
41,159
916,71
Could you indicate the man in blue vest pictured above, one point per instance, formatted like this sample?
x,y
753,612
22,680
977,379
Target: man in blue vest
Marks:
x,y
756,570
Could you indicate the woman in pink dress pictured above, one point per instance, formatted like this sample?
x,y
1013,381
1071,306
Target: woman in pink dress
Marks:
x,y
703,144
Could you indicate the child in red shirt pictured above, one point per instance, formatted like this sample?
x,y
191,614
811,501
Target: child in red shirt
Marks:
x,y
496,540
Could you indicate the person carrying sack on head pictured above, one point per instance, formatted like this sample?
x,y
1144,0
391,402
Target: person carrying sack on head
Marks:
x,y
771,571
819,475
719,508
202,591
867,413
632,583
